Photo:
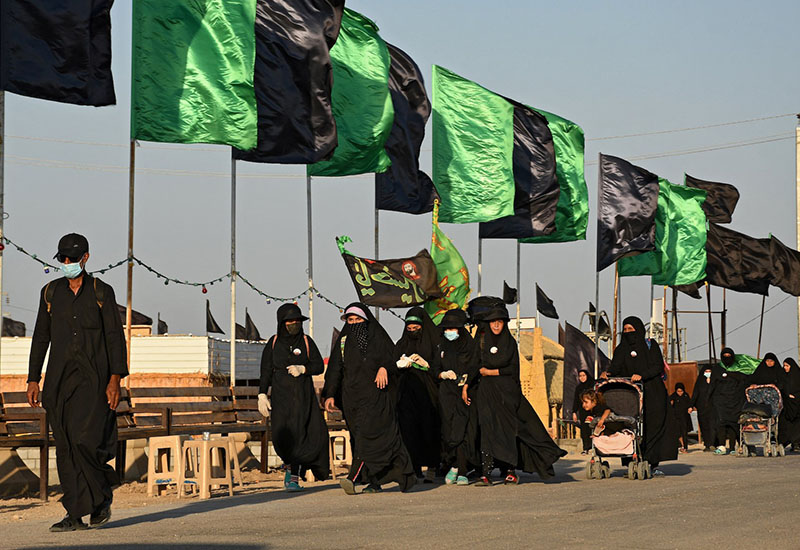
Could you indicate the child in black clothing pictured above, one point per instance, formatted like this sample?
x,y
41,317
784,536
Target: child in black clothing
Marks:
x,y
592,402
681,405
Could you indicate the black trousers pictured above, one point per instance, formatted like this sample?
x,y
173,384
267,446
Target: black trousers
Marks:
x,y
727,433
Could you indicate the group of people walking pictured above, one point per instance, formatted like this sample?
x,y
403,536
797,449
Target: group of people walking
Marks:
x,y
439,400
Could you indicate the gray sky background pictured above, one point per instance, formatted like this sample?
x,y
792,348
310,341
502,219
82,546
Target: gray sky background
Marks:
x,y
613,67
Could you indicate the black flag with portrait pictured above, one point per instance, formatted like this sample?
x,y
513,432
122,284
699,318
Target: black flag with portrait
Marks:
x,y
401,282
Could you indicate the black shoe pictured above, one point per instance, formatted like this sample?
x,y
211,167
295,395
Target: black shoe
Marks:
x,y
100,516
407,483
68,524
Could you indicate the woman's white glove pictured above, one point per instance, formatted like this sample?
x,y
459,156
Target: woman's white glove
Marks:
x,y
419,361
404,362
296,370
448,375
264,406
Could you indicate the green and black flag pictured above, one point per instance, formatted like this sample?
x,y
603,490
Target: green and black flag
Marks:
x,y
545,305
404,187
293,80
401,282
721,198
59,50
785,267
626,212
492,158
211,324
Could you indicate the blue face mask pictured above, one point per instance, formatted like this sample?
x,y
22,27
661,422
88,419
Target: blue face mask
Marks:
x,y
451,335
71,271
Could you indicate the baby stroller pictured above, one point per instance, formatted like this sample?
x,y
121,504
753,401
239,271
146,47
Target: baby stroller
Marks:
x,y
758,422
625,399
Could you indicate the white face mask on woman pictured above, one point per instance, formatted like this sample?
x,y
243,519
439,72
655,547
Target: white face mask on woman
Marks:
x,y
451,334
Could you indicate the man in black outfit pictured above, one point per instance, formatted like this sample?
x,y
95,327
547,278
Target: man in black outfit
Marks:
x,y
79,322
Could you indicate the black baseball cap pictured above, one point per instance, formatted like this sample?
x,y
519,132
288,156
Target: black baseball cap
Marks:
x,y
72,246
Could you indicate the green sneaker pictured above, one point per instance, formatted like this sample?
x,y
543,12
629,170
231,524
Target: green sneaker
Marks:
x,y
462,480
287,478
451,477
372,489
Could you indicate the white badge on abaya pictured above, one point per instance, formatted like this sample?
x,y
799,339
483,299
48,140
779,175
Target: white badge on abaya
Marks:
x,y
442,355
296,351
493,350
633,353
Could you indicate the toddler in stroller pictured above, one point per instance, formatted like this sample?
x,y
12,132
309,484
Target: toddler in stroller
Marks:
x,y
758,422
618,430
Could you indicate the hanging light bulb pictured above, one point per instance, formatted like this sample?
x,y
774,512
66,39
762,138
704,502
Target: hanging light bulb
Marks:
x,y
205,290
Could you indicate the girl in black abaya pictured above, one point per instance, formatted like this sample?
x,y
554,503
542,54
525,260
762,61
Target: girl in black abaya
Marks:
x,y
360,371
789,423
458,361
417,360
681,403
639,358
299,433
701,402
727,398
512,436
585,383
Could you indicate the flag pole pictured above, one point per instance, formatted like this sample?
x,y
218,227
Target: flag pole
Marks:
x,y
597,272
233,270
536,304
761,326
797,194
616,298
377,244
724,317
480,260
664,332
519,293
652,310
129,301
310,260
2,201
675,327
712,353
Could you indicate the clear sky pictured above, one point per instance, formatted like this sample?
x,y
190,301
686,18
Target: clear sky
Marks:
x,y
613,67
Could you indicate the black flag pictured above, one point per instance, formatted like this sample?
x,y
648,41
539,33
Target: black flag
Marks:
x,y
786,267
692,289
578,356
161,327
737,261
401,282
136,317
294,80
603,330
721,199
250,330
241,333
477,308
58,50
334,337
509,294
211,324
12,327
404,187
545,305
626,212
536,189
561,335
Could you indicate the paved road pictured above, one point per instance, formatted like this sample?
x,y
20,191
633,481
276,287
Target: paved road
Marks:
x,y
705,501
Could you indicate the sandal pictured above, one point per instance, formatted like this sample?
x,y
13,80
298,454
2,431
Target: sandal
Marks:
x,y
512,479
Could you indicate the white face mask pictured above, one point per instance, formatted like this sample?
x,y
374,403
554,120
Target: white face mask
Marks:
x,y
707,374
451,334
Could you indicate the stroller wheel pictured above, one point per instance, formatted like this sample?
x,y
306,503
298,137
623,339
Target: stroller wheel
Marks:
x,y
781,450
641,470
632,474
589,470
745,451
605,470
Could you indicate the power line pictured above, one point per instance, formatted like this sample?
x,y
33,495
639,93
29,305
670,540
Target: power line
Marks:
x,y
692,128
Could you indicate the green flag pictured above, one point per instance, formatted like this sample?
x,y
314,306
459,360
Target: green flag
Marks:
x,y
680,254
572,213
362,106
451,270
192,72
473,143
745,364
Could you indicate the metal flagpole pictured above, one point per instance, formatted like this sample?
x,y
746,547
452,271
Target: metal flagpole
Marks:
x,y
761,326
129,303
797,193
519,293
724,317
377,246
2,203
616,298
480,261
712,353
233,270
652,310
597,275
310,260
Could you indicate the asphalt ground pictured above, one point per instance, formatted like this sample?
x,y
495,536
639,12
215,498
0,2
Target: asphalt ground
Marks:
x,y
704,501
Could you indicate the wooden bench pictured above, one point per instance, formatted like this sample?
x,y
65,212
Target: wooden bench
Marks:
x,y
22,426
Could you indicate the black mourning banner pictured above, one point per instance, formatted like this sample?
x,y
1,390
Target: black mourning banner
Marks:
x,y
721,198
250,329
136,317
211,325
786,267
401,282
578,356
12,327
545,305
509,294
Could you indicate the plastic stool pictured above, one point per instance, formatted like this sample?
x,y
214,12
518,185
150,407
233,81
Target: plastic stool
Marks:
x,y
347,453
164,451
201,454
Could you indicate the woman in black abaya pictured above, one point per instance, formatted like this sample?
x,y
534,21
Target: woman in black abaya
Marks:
x,y
789,423
417,360
701,402
768,372
299,433
727,398
640,359
458,361
585,382
512,436
361,369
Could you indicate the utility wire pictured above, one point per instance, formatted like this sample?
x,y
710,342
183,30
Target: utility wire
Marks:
x,y
676,130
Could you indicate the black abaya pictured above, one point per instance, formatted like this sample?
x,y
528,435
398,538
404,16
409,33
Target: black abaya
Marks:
x,y
369,412
634,355
789,423
418,400
701,400
511,431
299,432
727,398
577,407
